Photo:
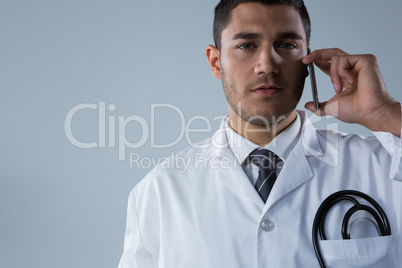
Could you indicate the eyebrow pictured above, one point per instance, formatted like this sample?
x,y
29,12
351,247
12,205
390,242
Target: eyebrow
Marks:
x,y
282,35
247,36
290,35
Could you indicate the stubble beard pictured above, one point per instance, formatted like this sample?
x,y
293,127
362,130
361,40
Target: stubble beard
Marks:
x,y
257,118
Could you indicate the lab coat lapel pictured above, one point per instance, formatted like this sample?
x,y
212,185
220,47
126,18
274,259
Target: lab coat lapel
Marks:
x,y
231,174
237,180
298,170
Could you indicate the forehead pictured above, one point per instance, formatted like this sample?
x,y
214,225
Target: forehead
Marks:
x,y
267,20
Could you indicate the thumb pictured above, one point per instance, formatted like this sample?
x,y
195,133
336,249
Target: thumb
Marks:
x,y
321,108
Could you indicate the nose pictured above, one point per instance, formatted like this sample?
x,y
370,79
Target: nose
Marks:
x,y
267,62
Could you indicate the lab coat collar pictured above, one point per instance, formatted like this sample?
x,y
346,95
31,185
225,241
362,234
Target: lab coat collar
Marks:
x,y
309,138
239,145
320,144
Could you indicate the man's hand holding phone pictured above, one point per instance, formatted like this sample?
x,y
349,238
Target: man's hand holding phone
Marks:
x,y
360,93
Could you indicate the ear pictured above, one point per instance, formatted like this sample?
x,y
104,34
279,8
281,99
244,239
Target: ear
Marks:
x,y
213,57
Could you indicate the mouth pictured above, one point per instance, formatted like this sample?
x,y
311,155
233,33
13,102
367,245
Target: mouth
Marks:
x,y
267,90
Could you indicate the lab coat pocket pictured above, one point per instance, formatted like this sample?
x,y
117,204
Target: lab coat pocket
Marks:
x,y
364,252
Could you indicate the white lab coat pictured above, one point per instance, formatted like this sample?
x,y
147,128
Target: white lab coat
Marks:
x,y
209,214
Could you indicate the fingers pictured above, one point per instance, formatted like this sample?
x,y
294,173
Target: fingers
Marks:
x,y
340,69
324,66
364,94
329,61
336,63
323,55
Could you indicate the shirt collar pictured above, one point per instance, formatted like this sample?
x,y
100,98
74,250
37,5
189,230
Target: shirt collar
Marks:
x,y
282,145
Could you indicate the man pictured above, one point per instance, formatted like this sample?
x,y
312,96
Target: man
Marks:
x,y
213,214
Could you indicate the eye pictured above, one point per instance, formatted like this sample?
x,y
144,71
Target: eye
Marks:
x,y
287,45
247,46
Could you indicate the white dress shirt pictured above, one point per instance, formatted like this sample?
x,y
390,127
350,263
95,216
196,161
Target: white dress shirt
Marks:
x,y
282,145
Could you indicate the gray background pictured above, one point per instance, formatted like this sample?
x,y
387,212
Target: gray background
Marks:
x,y
63,206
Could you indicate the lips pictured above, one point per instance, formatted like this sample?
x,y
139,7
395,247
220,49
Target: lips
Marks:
x,y
266,90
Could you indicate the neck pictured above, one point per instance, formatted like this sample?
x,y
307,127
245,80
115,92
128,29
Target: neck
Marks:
x,y
261,135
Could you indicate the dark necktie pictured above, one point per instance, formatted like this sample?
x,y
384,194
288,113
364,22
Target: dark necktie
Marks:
x,y
267,163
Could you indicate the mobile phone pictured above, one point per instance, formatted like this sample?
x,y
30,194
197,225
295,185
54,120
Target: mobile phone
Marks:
x,y
313,82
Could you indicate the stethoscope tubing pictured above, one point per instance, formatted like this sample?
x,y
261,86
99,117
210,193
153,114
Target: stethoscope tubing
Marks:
x,y
346,195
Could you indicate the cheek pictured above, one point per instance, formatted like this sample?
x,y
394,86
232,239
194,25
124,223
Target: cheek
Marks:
x,y
296,72
237,64
230,74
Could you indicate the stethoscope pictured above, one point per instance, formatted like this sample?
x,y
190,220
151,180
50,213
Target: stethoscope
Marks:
x,y
377,212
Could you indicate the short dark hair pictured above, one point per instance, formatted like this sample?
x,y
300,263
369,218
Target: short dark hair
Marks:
x,y
224,9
